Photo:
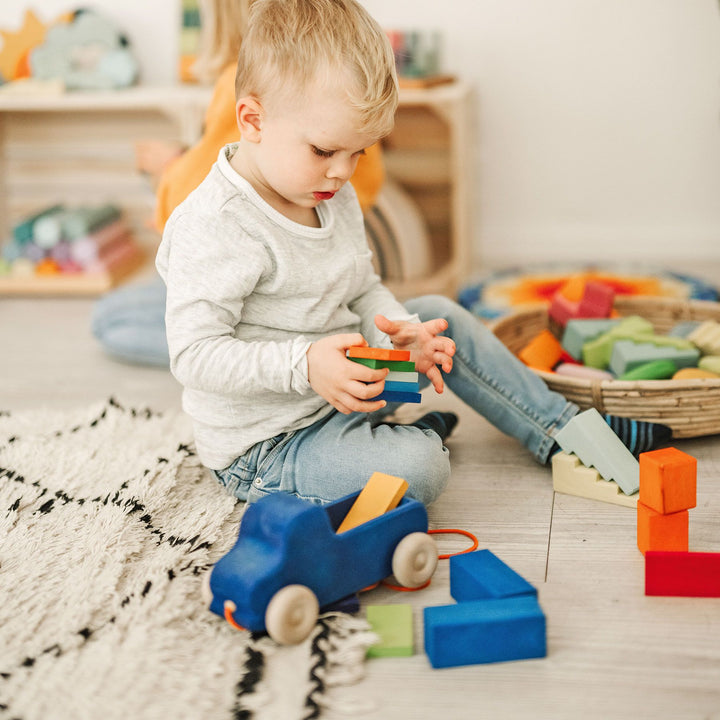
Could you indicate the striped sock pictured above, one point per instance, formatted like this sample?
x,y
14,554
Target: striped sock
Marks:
x,y
639,436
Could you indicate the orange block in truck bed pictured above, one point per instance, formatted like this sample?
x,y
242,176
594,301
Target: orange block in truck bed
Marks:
x,y
381,493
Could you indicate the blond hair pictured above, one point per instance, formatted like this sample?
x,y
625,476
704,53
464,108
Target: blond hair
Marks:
x,y
290,43
221,33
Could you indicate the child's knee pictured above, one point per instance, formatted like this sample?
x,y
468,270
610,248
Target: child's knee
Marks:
x,y
428,473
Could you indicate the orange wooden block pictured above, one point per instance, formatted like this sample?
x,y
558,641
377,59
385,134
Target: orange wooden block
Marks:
x,y
370,353
381,493
574,288
543,351
656,531
47,266
668,480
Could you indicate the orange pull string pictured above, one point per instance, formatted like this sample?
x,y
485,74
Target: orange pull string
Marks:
x,y
400,588
229,608
455,531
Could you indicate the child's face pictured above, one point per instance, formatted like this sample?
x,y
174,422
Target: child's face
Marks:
x,y
306,150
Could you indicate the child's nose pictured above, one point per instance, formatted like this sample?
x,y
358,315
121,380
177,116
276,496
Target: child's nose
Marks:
x,y
341,168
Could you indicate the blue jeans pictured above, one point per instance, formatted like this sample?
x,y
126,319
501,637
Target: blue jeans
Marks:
x,y
337,455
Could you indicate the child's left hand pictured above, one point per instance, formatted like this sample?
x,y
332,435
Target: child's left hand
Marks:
x,y
429,349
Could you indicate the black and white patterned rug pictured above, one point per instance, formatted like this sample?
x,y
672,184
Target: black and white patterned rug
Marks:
x,y
108,523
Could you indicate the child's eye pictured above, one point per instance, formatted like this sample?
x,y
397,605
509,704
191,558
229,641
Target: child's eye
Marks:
x,y
322,153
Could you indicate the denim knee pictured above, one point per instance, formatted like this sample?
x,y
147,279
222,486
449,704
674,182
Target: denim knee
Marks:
x,y
427,469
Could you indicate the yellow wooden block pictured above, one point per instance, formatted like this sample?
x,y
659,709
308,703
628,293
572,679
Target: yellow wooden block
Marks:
x,y
381,493
694,373
571,477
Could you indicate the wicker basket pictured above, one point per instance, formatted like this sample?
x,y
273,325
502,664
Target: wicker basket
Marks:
x,y
690,407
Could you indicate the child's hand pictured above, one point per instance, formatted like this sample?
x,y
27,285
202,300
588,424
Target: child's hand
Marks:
x,y
428,349
341,381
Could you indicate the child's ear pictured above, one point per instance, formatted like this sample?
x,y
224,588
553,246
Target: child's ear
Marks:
x,y
249,115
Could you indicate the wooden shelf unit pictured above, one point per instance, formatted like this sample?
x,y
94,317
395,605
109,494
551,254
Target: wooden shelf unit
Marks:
x,y
78,148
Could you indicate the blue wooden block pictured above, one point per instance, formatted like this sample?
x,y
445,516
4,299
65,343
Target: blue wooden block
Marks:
x,y
578,332
591,439
395,386
627,355
402,397
485,631
482,575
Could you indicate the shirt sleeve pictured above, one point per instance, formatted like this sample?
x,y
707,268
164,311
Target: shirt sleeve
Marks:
x,y
210,267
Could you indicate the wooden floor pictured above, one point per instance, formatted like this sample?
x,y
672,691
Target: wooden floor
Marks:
x,y
612,652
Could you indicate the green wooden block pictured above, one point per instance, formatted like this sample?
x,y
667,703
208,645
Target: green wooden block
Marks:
x,y
597,352
394,625
582,330
655,370
394,365
711,363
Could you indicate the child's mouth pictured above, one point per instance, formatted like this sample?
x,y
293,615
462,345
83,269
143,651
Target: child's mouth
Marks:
x,y
323,195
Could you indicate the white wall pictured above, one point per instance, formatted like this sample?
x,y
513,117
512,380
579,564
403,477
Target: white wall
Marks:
x,y
598,121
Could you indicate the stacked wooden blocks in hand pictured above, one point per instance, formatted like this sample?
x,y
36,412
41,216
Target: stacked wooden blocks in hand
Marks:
x,y
596,344
69,244
401,383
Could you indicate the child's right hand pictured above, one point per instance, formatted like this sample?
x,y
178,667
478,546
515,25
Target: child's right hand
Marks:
x,y
340,381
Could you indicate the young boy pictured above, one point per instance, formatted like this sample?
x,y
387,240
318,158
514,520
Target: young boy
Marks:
x,y
269,282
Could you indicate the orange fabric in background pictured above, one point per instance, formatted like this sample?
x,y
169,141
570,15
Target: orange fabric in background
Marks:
x,y
189,170
539,288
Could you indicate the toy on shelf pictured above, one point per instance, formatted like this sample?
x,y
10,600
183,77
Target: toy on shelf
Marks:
x,y
403,386
289,561
59,250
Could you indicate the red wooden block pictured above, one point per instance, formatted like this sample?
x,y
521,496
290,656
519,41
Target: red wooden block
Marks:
x,y
370,353
682,574
661,532
597,300
561,309
668,480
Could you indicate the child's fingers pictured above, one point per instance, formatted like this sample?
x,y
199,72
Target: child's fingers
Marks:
x,y
445,362
365,374
357,405
436,326
348,340
435,377
366,391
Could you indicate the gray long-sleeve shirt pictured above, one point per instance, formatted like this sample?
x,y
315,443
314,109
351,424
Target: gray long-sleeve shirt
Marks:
x,y
248,291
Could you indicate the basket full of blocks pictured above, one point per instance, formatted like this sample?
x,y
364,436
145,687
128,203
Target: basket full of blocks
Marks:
x,y
690,406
